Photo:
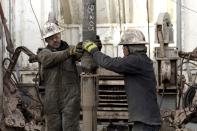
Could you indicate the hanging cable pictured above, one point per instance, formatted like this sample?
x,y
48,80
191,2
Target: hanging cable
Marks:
x,y
148,21
37,21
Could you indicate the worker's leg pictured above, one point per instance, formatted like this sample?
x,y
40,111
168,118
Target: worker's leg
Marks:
x,y
53,122
139,126
71,116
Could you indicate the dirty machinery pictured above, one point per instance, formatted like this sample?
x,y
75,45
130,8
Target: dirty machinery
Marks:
x,y
22,110
187,98
170,80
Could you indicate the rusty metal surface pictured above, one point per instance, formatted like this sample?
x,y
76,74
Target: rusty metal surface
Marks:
x,y
112,99
13,116
189,55
170,53
161,40
164,32
112,115
179,117
166,56
10,46
8,85
174,118
165,71
163,55
89,101
17,113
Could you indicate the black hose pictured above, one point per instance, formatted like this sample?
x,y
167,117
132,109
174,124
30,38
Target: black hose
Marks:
x,y
189,96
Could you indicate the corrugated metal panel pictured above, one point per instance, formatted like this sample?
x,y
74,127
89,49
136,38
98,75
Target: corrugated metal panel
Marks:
x,y
72,34
25,31
66,12
189,14
103,15
23,25
110,11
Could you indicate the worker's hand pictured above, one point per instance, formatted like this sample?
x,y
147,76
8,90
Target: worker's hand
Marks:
x,y
77,50
89,46
33,58
98,42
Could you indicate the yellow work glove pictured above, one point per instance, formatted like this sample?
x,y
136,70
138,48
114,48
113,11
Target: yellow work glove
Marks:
x,y
89,46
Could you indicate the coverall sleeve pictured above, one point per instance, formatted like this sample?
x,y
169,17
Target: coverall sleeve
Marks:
x,y
117,64
48,58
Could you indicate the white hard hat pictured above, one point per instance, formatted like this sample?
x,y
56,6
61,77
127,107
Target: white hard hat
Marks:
x,y
50,29
132,36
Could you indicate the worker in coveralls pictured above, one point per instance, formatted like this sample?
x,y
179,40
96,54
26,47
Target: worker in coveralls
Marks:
x,y
61,80
139,77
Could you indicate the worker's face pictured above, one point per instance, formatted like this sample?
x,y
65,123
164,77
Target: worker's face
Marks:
x,y
125,50
54,40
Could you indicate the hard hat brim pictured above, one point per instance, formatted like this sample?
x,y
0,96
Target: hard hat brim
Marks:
x,y
132,43
53,33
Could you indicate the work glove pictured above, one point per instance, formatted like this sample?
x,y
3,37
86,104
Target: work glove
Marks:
x,y
89,46
98,42
76,51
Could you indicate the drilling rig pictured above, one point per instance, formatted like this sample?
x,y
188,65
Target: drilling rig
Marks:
x,y
104,99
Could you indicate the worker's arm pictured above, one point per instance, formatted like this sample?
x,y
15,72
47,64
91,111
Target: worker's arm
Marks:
x,y
120,65
48,58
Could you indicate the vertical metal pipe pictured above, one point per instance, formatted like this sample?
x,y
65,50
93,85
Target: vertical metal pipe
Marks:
x,y
1,72
89,33
89,20
179,24
88,80
89,102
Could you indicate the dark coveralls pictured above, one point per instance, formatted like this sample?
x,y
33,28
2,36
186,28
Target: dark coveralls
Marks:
x,y
140,86
62,89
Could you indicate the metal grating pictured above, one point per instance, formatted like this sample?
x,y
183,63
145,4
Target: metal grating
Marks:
x,y
112,100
